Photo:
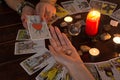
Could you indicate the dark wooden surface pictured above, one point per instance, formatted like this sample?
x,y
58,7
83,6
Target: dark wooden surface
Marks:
x,y
9,63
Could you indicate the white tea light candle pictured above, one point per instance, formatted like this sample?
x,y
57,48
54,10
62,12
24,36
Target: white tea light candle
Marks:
x,y
116,40
68,19
94,51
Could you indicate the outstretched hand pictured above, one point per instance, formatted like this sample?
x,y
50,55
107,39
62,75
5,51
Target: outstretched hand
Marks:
x,y
61,48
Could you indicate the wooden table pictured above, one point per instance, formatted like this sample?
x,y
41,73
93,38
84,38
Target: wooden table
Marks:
x,y
10,23
9,63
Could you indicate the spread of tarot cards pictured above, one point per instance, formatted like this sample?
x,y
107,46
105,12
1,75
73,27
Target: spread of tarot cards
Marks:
x,y
32,40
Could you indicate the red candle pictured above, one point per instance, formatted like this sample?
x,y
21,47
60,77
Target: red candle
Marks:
x,y
92,23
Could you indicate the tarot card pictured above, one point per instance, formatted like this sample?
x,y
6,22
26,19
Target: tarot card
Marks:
x,y
107,71
61,12
116,64
37,61
83,5
50,73
64,73
91,67
50,61
108,8
70,6
116,15
38,29
96,4
27,47
23,35
68,77
39,77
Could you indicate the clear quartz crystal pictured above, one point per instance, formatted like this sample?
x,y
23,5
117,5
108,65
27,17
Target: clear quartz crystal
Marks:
x,y
74,30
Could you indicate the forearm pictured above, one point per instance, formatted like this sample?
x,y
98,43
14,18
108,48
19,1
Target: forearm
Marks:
x,y
13,3
49,1
79,71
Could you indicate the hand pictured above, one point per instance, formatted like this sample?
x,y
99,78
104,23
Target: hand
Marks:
x,y
45,10
61,48
64,53
27,10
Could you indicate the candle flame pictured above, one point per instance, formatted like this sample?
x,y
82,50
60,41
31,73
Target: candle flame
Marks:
x,y
93,14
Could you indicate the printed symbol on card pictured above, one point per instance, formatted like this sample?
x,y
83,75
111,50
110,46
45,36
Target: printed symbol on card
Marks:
x,y
23,35
37,26
50,73
108,8
38,29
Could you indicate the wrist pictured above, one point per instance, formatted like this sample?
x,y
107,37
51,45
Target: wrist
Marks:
x,y
79,71
52,2
74,64
22,5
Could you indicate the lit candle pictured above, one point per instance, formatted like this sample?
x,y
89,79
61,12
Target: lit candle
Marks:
x,y
94,51
92,23
116,40
68,19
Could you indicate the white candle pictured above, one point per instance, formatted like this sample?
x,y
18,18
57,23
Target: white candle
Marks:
x,y
68,19
94,51
116,40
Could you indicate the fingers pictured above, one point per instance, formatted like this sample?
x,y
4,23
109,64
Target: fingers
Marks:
x,y
48,14
40,10
67,41
60,36
45,11
53,53
57,35
25,25
53,43
54,36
